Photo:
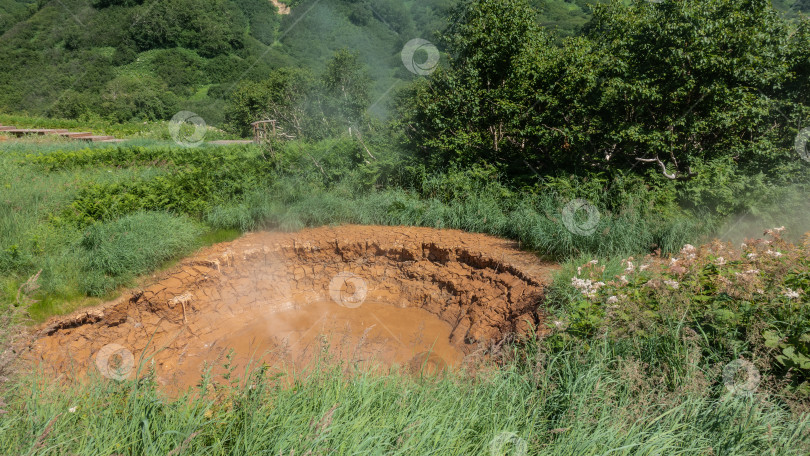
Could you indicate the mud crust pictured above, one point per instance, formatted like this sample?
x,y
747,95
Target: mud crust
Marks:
x,y
482,286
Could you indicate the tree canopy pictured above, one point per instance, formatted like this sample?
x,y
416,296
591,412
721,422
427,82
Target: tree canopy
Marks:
x,y
674,85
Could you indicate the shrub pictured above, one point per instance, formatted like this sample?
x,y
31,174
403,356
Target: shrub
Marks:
x,y
128,98
753,299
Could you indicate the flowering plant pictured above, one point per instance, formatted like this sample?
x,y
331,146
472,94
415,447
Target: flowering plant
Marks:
x,y
752,298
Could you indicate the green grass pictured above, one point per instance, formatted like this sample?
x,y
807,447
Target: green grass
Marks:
x,y
132,245
581,399
533,219
93,218
51,193
156,131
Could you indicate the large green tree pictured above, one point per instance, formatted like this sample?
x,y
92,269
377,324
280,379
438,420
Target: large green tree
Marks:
x,y
672,85
466,111
304,106
288,96
346,87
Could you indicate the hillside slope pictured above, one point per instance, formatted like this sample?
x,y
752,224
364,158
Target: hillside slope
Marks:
x,y
129,60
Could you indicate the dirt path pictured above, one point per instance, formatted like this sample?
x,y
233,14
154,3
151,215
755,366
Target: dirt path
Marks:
x,y
390,294
282,8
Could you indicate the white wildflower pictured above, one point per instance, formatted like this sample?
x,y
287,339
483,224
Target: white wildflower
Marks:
x,y
774,231
752,256
612,300
720,261
774,253
748,272
586,286
672,284
688,251
73,409
791,294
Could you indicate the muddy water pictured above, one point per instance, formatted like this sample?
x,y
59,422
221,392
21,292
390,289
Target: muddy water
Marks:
x,y
365,295
371,335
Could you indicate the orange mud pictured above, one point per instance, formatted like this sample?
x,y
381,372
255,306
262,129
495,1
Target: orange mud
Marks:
x,y
390,295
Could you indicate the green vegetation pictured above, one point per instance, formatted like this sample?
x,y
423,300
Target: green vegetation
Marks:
x,y
84,59
133,244
605,136
185,54
573,400
746,300
146,132
14,11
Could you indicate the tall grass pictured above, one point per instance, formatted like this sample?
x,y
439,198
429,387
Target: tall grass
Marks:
x,y
535,220
135,244
604,398
34,240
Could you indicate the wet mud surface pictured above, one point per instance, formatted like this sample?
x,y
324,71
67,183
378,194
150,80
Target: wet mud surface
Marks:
x,y
417,297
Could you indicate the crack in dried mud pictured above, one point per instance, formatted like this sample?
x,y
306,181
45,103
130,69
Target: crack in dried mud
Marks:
x,y
391,294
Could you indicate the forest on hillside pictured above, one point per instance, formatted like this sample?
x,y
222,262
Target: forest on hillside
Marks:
x,y
126,60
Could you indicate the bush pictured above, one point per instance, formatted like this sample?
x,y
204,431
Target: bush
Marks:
x,y
210,27
752,300
72,105
127,98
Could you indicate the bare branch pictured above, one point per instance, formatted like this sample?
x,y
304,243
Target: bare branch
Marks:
x,y
676,175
